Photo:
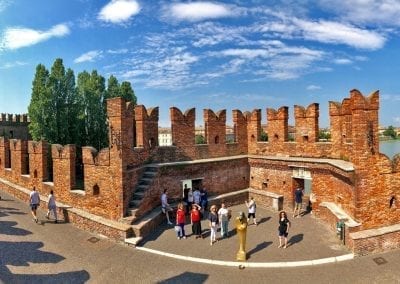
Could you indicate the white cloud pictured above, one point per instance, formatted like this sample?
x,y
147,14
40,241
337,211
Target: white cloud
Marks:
x,y
88,56
198,11
338,33
9,65
119,11
118,51
373,12
4,4
14,38
342,61
313,88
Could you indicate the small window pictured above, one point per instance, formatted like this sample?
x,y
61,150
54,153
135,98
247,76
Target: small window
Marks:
x,y
392,201
216,140
96,190
35,173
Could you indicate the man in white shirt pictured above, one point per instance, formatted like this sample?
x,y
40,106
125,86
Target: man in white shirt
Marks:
x,y
165,205
51,206
223,216
251,205
34,201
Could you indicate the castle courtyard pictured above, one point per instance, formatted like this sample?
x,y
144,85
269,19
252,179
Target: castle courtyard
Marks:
x,y
61,253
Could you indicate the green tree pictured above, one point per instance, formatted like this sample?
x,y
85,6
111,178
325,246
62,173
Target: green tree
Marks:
x,y
93,126
72,109
199,139
40,104
390,132
113,88
127,92
263,136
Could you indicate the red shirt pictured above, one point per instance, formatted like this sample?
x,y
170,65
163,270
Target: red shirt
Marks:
x,y
195,215
180,216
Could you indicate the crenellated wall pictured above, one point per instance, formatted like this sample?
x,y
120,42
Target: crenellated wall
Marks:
x,y
14,126
347,171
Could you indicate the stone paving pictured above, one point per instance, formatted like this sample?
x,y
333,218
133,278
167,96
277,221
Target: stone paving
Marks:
x,y
308,239
61,253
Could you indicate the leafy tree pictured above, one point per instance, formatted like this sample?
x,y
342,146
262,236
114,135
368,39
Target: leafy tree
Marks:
x,y
263,136
40,104
199,139
390,132
127,92
113,88
324,135
93,126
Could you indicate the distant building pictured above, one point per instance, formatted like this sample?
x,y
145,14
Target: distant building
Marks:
x,y
164,136
14,126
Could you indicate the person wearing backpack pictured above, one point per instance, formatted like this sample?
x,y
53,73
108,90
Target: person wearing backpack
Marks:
x,y
251,206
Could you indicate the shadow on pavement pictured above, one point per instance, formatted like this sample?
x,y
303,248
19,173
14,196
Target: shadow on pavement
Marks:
x,y
24,253
65,277
186,277
296,239
259,247
7,228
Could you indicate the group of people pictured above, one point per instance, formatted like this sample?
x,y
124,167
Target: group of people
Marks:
x,y
196,206
34,203
219,217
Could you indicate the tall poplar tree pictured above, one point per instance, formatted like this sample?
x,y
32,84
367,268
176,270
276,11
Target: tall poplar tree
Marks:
x,y
127,92
93,127
38,109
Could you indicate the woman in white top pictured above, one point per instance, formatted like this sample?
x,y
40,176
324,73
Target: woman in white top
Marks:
x,y
51,205
251,205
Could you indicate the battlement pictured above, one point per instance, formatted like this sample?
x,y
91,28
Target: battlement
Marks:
x,y
7,118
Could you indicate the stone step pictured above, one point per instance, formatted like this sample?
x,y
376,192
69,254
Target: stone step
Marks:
x,y
133,241
134,203
141,187
145,181
151,169
149,174
138,195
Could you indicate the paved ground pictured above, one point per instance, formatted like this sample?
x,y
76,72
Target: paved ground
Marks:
x,y
60,253
308,239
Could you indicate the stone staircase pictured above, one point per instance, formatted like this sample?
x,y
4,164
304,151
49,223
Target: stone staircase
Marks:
x,y
142,186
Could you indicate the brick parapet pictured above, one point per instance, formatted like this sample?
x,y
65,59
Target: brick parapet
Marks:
x,y
240,130
38,160
183,127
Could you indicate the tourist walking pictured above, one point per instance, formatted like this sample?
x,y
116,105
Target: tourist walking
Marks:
x,y
195,220
197,196
312,199
223,216
283,229
34,202
204,201
180,221
213,222
51,206
298,200
165,207
251,206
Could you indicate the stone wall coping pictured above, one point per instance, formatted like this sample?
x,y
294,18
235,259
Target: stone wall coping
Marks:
x,y
343,165
50,183
225,195
200,161
340,214
95,218
78,191
265,193
101,220
375,232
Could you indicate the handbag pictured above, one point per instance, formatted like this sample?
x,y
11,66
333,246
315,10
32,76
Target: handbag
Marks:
x,y
178,229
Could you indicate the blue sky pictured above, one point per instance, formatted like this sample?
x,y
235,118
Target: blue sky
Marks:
x,y
242,54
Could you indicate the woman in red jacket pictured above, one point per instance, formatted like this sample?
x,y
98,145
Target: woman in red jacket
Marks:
x,y
195,219
180,221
